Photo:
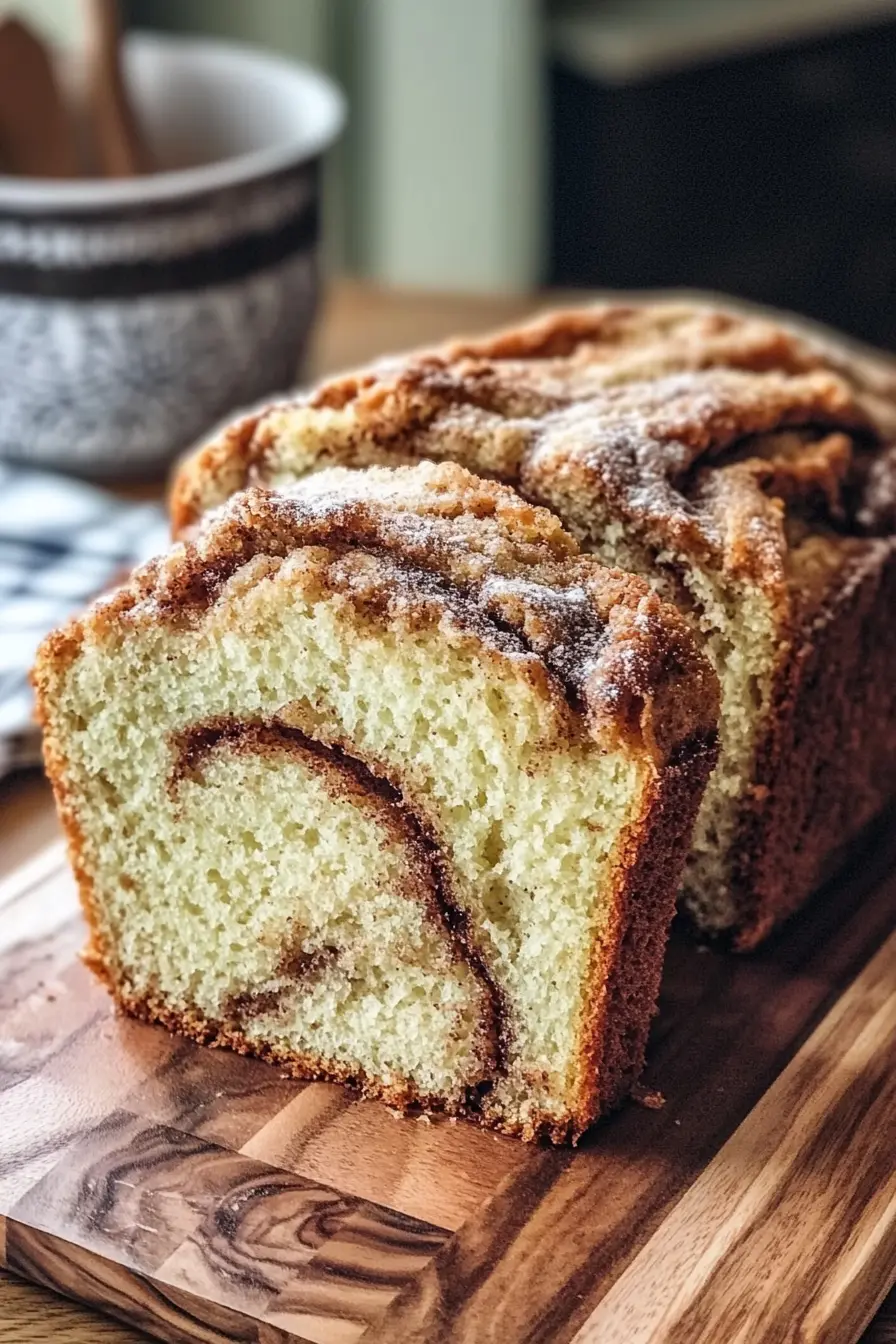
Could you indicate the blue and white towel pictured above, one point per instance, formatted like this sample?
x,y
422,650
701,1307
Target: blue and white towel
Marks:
x,y
61,543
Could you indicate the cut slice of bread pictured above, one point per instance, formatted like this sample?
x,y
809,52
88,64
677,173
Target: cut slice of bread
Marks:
x,y
382,779
747,471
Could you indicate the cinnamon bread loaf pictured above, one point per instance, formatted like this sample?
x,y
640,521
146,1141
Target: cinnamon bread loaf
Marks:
x,y
382,779
744,469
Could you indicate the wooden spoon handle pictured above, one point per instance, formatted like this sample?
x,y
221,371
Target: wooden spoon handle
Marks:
x,y
36,137
121,149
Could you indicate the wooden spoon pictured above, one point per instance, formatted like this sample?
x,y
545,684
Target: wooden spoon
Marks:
x,y
120,147
37,138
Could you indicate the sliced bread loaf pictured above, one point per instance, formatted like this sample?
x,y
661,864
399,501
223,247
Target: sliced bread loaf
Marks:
x,y
382,779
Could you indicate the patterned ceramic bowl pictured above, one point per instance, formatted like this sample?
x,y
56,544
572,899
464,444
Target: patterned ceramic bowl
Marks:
x,y
134,313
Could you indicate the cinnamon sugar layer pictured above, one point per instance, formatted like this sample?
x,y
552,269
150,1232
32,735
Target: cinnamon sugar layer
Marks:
x,y
620,410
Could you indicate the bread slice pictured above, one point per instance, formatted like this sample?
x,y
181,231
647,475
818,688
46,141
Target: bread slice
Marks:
x,y
382,779
744,469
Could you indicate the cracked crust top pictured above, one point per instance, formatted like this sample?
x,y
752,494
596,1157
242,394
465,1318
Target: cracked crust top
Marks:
x,y
704,428
509,571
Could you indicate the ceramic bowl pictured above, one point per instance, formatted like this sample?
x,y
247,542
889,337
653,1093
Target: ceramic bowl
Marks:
x,y
136,312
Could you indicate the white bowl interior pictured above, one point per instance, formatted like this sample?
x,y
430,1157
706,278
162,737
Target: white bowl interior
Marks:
x,y
215,113
201,103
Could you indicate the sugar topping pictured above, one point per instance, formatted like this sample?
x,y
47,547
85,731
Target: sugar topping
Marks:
x,y
634,412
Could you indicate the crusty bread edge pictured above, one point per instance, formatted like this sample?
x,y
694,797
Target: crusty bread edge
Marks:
x,y
648,863
654,852
855,626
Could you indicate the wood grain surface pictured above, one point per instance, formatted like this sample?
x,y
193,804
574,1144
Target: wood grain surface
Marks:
x,y
783,1170
496,1242
198,1195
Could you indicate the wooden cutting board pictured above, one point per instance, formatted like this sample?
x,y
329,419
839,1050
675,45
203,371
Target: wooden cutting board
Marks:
x,y
201,1196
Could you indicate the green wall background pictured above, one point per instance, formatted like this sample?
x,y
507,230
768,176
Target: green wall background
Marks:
x,y
296,27
438,181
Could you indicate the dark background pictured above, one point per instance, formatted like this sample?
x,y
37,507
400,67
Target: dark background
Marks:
x,y
770,175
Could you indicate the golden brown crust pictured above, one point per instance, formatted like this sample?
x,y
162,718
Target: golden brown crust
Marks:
x,y
627,407
616,1045
827,762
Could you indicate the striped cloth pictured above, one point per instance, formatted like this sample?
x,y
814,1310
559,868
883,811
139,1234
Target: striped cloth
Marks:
x,y
61,543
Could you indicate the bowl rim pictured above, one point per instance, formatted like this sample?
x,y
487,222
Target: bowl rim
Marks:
x,y
46,195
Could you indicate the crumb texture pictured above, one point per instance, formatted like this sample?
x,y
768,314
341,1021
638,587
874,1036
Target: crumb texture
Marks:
x,y
383,779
